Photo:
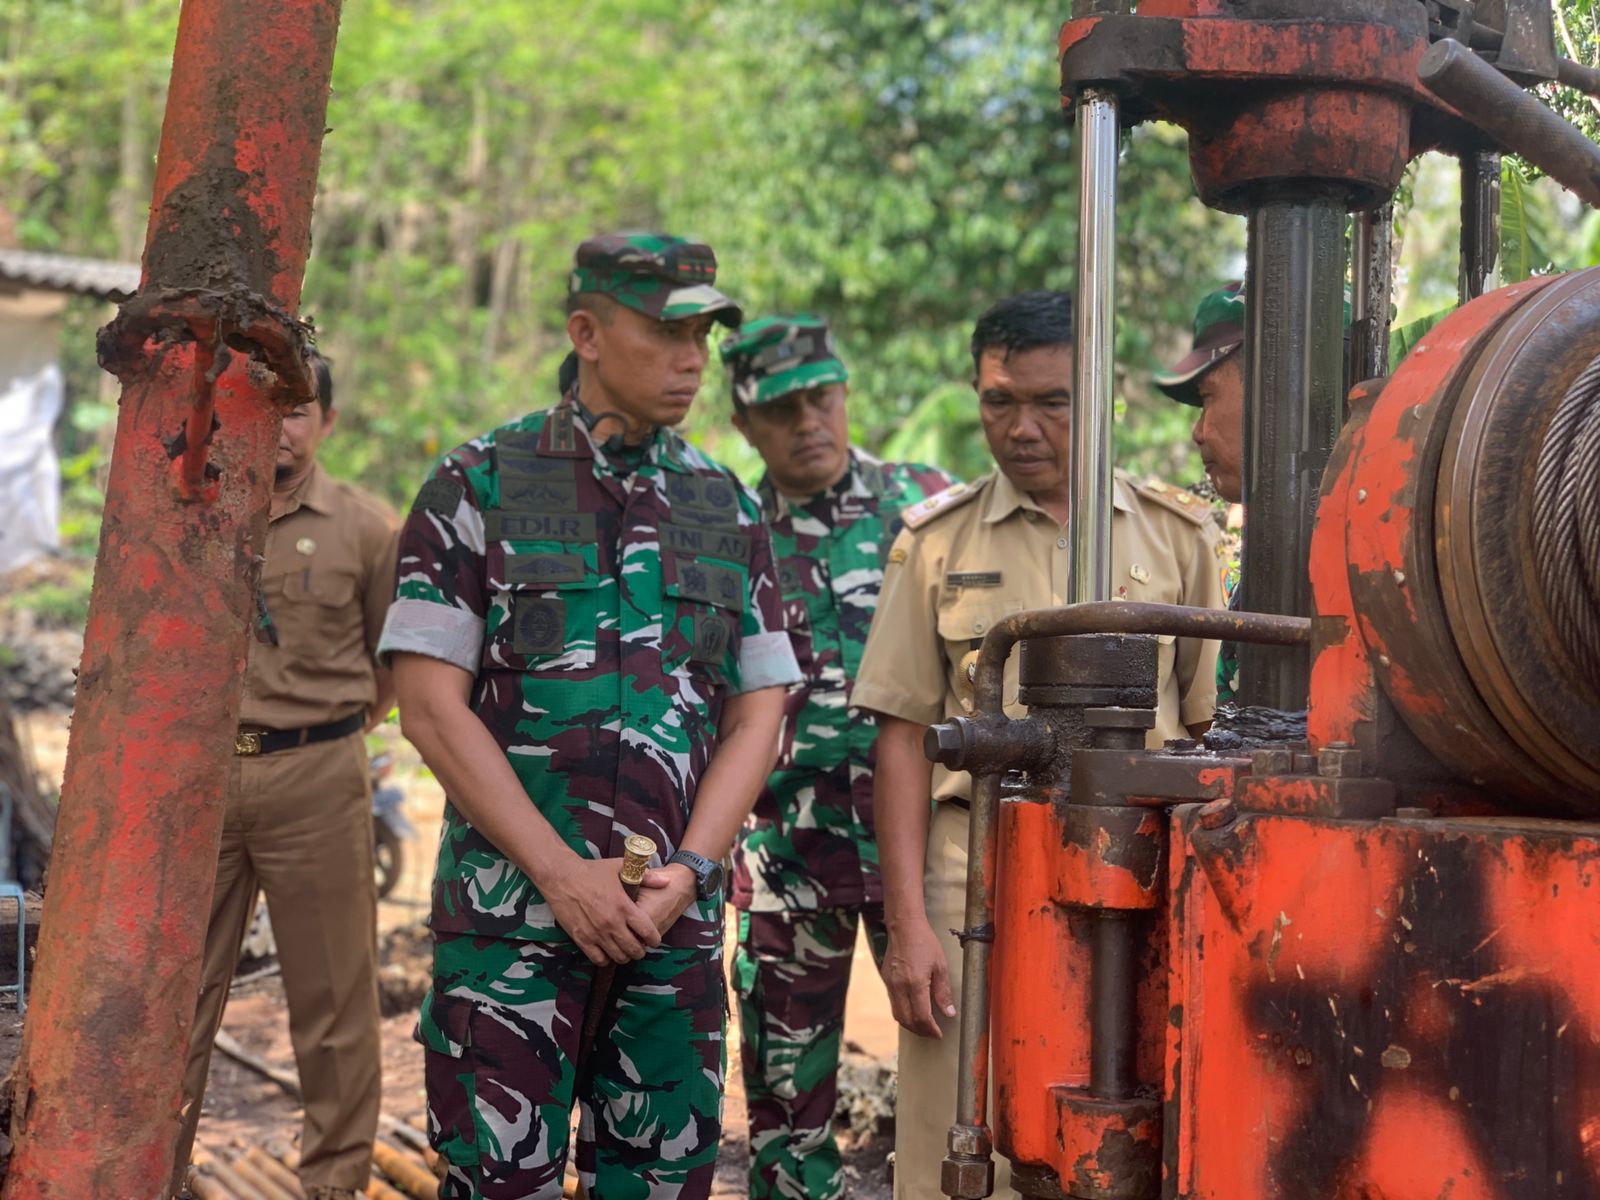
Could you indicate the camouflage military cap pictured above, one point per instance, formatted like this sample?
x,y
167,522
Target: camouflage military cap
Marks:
x,y
661,276
774,356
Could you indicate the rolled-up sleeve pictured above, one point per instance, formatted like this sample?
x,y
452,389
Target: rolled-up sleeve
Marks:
x,y
440,605
903,667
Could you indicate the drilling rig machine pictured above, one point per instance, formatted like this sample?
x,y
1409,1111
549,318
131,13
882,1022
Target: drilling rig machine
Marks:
x,y
1345,948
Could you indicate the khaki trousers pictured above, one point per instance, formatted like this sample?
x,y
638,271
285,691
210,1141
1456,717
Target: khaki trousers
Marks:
x,y
928,1066
298,826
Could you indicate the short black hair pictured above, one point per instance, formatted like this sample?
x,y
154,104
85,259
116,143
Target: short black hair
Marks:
x,y
1026,321
320,368
601,305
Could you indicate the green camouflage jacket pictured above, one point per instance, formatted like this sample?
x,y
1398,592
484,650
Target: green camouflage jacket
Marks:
x,y
809,845
605,611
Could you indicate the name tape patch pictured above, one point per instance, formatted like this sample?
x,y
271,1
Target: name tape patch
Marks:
x,y
499,526
685,539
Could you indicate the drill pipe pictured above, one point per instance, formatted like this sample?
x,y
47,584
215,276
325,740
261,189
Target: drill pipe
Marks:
x,y
1106,616
164,648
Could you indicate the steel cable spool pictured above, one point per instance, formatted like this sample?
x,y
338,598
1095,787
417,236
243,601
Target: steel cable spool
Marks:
x,y
1509,524
1566,518
1473,544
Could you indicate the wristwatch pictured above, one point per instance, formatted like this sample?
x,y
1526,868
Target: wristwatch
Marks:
x,y
708,875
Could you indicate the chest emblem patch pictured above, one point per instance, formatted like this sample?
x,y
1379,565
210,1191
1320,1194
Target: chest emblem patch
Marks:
x,y
306,546
539,626
1140,574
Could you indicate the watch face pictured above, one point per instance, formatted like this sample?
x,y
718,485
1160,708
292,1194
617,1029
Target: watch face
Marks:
x,y
711,882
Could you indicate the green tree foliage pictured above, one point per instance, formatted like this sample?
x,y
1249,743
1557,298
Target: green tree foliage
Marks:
x,y
901,166
1578,38
897,166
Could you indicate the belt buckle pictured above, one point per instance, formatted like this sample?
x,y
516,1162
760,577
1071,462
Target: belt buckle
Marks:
x,y
246,744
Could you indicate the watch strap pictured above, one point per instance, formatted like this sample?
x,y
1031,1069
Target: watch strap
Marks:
x,y
703,868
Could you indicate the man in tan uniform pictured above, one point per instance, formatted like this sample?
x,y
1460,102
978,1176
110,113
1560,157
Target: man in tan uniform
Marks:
x,y
298,822
968,557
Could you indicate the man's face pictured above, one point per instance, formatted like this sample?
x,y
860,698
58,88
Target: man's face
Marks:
x,y
1025,402
303,431
1220,430
802,437
648,370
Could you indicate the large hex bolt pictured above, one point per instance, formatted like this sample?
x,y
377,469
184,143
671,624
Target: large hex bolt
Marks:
x,y
967,1172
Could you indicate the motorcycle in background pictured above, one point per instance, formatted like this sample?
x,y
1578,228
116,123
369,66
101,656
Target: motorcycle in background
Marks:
x,y
390,829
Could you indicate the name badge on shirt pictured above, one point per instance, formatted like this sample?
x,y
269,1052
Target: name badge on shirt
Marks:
x,y
966,579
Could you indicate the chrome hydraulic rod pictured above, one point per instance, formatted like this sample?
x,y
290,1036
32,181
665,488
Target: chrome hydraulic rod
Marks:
x,y
1089,518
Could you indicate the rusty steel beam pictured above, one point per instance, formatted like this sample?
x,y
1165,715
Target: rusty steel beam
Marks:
x,y
100,1079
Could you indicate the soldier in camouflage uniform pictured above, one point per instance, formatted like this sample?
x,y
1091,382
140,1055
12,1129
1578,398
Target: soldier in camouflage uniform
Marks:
x,y
588,644
806,867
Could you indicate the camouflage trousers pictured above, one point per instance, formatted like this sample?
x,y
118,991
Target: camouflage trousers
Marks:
x,y
792,971
501,1027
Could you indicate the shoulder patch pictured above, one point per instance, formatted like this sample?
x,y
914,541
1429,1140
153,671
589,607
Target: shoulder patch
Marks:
x,y
439,495
1179,500
923,511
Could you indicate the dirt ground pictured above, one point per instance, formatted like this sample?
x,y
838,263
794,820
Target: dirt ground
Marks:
x,y
243,1109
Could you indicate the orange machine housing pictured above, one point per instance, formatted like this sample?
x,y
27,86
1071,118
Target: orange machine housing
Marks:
x,y
1366,961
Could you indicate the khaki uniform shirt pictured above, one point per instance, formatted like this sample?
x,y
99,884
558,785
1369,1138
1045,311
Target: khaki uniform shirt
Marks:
x,y
326,585
975,556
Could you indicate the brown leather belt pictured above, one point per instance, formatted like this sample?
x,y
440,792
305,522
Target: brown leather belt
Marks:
x,y
250,742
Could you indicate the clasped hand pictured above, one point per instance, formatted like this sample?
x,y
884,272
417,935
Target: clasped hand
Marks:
x,y
589,902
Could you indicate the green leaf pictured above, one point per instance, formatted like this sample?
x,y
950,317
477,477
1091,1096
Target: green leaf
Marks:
x,y
1404,338
1522,251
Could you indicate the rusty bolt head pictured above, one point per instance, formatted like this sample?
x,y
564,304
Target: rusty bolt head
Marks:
x,y
1273,761
1218,813
966,1178
1338,762
944,743
969,1141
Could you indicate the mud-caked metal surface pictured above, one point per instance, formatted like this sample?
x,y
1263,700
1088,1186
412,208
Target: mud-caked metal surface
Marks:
x,y
99,1081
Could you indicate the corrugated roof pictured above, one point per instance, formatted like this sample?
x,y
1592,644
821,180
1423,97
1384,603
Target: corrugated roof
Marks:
x,y
63,273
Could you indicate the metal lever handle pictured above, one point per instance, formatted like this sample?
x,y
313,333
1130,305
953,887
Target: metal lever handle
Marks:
x,y
1514,118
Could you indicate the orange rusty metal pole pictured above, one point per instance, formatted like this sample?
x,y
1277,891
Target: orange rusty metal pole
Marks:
x,y
209,353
